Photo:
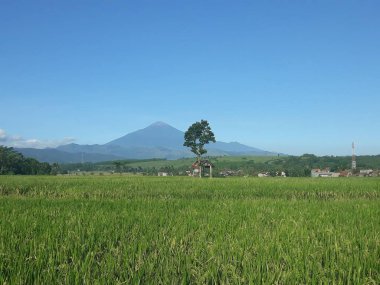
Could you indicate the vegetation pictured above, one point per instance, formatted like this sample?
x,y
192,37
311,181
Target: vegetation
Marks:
x,y
295,166
13,162
128,230
196,137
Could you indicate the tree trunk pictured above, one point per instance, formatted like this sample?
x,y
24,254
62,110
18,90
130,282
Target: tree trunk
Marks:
x,y
200,166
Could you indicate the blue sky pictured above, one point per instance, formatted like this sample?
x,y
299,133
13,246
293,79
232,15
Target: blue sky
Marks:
x,y
288,76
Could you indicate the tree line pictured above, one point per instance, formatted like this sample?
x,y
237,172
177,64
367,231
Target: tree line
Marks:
x,y
13,162
293,166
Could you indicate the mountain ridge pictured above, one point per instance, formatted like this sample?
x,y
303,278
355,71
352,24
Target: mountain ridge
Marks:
x,y
158,140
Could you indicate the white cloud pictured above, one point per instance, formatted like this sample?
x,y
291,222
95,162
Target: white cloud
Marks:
x,y
17,141
2,135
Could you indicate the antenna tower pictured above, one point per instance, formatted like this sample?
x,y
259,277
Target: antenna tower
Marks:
x,y
353,166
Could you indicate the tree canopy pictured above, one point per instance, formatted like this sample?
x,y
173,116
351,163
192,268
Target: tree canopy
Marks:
x,y
13,162
197,136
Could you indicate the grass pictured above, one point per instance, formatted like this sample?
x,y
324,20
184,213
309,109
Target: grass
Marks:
x,y
110,230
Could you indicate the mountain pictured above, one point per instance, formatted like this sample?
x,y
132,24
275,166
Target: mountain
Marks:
x,y
159,140
158,134
238,148
162,135
54,155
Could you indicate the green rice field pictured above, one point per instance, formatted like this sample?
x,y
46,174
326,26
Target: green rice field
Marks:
x,y
182,230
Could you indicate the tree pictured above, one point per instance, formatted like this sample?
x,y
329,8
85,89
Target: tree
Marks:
x,y
13,162
196,137
55,169
118,166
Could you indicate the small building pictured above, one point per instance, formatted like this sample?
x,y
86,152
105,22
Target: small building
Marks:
x,y
322,173
228,172
199,166
345,173
162,174
366,172
263,174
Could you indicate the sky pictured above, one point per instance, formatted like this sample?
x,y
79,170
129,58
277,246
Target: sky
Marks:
x,y
286,76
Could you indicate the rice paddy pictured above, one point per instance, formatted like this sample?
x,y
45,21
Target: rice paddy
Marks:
x,y
173,230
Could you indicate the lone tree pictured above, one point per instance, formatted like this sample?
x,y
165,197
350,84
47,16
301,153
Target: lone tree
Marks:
x,y
197,136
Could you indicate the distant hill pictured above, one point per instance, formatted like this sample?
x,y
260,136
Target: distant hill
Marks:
x,y
51,155
159,140
235,148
